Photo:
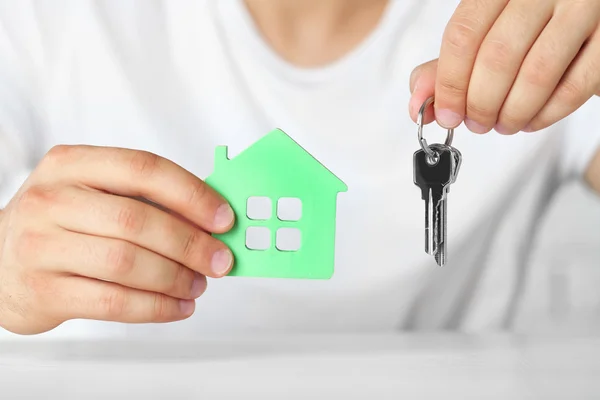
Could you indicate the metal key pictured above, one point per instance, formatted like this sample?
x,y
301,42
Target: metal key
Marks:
x,y
434,175
436,167
457,159
440,225
441,255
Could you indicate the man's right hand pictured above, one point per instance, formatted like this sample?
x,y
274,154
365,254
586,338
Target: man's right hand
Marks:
x,y
75,243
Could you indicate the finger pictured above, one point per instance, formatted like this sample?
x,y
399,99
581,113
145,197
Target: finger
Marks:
x,y
84,298
422,87
106,215
544,66
137,173
578,85
461,41
499,60
116,261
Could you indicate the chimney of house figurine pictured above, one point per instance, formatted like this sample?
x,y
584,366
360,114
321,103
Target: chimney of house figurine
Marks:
x,y
220,155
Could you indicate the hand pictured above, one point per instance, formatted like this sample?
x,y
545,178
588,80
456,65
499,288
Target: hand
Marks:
x,y
75,244
512,65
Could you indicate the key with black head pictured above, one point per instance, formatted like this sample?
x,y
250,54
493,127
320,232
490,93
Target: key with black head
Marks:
x,y
436,167
433,174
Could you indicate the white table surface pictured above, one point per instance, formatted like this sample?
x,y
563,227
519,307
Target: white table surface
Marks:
x,y
306,367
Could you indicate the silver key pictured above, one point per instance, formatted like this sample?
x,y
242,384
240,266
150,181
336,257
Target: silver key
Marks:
x,y
436,167
441,222
457,160
433,176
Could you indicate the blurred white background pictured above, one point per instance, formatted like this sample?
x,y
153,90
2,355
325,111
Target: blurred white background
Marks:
x,y
563,285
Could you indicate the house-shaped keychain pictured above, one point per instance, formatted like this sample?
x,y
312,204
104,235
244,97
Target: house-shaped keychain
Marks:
x,y
296,226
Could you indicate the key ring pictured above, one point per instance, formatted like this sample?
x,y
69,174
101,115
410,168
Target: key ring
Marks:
x,y
431,155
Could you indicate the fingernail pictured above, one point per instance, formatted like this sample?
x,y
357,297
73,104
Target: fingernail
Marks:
x,y
447,118
187,306
221,262
414,78
528,129
501,129
224,216
475,127
199,285
412,106
415,87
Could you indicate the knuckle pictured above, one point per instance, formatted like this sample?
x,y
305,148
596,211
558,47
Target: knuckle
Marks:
x,y
497,56
198,191
538,72
184,278
191,248
113,303
59,154
180,277
569,93
144,163
131,219
512,120
121,259
452,86
160,307
479,113
462,37
35,198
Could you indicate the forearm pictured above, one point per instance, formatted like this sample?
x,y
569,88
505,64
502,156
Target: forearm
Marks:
x,y
592,174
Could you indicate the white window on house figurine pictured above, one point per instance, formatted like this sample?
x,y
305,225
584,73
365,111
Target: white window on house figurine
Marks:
x,y
287,238
259,208
258,238
289,209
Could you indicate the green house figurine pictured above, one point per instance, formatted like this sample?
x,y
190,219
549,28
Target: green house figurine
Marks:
x,y
297,222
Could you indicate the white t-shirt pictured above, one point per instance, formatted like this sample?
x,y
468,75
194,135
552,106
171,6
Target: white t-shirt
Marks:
x,y
180,77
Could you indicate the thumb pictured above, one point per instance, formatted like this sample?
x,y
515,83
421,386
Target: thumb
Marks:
x,y
422,86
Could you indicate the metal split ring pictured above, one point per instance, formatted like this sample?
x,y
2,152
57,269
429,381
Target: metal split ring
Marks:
x,y
431,155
